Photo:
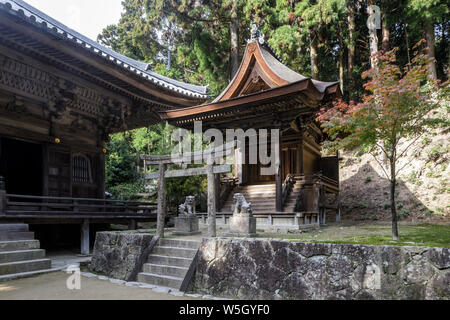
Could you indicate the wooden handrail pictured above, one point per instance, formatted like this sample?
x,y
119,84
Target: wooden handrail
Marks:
x,y
42,205
287,187
19,196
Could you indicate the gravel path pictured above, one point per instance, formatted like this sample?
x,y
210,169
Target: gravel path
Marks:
x,y
52,286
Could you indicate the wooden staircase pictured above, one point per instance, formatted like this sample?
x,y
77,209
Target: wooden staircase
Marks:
x,y
262,197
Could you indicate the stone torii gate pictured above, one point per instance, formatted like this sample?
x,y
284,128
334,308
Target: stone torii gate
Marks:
x,y
211,171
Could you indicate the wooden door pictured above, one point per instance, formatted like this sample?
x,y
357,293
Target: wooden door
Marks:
x,y
59,172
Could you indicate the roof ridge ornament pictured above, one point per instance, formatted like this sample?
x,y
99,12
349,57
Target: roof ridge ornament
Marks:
x,y
255,34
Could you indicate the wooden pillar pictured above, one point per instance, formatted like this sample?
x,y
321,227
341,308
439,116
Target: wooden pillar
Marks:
x,y
161,215
45,170
217,191
2,197
279,178
300,155
211,202
322,203
85,237
101,176
338,212
132,225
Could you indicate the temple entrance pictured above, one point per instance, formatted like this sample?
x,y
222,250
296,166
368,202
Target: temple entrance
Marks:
x,y
21,166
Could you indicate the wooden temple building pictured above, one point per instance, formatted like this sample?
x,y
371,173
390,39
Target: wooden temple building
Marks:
x,y
266,94
61,95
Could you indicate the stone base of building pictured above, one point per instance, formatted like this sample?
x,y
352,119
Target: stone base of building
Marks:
x,y
242,226
186,226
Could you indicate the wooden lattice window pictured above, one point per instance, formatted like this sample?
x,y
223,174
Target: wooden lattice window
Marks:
x,y
81,169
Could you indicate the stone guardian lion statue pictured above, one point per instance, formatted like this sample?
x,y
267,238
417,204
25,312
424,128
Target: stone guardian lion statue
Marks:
x,y
242,207
188,208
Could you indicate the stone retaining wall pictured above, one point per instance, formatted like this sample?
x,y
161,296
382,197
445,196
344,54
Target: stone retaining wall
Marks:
x,y
118,254
268,269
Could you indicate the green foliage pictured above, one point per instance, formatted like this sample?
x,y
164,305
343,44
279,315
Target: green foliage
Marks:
x,y
368,180
127,190
120,161
197,34
124,150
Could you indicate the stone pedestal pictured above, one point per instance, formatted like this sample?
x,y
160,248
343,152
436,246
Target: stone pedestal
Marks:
x,y
186,225
242,226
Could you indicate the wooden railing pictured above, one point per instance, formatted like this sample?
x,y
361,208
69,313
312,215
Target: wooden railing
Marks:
x,y
226,187
287,187
313,196
23,205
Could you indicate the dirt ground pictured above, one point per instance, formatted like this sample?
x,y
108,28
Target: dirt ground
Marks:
x,y
52,286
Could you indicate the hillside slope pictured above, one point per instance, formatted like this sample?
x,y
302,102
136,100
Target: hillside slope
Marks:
x,y
423,187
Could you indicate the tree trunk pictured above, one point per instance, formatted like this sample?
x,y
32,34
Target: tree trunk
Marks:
x,y
351,45
341,62
393,203
234,29
373,43
314,56
429,36
407,43
386,34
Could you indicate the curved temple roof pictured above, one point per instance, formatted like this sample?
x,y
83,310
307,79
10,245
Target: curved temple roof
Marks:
x,y
34,16
261,77
278,74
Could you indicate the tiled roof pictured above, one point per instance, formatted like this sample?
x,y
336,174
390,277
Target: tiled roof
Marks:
x,y
36,17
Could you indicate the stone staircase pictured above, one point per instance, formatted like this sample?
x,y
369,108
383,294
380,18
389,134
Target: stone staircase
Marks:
x,y
169,262
20,253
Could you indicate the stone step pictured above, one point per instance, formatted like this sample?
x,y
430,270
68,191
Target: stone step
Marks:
x,y
23,255
11,236
10,227
172,261
165,281
19,245
14,276
174,252
176,243
165,270
24,266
